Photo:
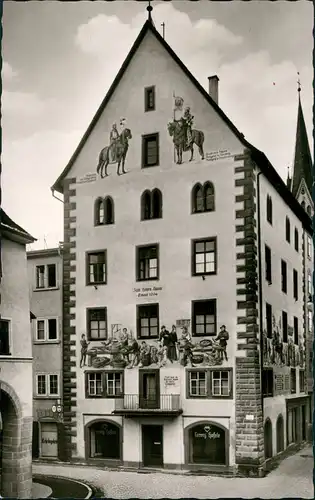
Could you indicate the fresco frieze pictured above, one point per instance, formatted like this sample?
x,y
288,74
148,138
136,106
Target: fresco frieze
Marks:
x,y
125,351
182,131
278,353
116,151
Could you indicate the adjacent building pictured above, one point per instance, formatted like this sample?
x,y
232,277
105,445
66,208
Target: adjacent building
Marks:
x,y
45,286
15,363
185,307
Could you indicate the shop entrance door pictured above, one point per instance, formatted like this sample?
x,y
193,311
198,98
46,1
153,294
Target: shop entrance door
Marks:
x,y
49,439
152,445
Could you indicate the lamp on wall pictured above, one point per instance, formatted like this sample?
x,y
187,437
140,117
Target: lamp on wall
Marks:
x,y
57,409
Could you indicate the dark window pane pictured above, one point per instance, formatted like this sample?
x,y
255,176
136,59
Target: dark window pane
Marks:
x,y
52,329
51,275
4,338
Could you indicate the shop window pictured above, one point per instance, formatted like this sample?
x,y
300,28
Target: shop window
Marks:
x,y
267,382
268,439
104,441
280,434
207,444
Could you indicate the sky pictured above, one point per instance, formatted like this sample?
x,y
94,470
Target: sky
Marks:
x,y
59,59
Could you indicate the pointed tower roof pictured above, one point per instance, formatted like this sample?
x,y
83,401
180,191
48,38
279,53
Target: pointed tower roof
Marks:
x,y
303,168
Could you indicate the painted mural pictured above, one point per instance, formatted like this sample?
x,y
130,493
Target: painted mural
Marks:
x,y
116,151
182,131
123,350
278,353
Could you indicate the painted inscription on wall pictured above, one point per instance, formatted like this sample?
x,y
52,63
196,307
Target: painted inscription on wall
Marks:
x,y
208,433
86,179
220,154
171,380
148,291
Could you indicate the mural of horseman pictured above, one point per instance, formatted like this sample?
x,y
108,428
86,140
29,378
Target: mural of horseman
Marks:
x,y
184,136
116,152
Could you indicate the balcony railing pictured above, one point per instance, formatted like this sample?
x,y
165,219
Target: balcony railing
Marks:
x,y
135,404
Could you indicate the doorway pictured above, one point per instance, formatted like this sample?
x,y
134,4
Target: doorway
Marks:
x,y
152,445
303,423
149,389
49,439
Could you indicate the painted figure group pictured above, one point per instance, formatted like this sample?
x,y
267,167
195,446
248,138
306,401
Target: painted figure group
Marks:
x,y
128,352
276,352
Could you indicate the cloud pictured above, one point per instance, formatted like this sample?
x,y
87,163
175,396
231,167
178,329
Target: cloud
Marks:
x,y
7,72
23,103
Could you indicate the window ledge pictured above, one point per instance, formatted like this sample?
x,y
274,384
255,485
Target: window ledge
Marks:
x,y
46,342
47,397
46,289
97,283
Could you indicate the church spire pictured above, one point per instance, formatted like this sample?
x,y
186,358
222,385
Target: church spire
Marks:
x,y
302,168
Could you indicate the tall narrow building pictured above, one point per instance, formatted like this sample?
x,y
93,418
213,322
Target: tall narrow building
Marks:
x,y
182,348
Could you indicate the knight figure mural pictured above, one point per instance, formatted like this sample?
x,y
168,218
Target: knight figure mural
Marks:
x,y
182,131
117,150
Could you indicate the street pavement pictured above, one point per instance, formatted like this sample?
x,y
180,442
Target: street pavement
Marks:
x,y
293,478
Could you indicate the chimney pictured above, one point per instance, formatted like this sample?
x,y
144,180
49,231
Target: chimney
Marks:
x,y
214,87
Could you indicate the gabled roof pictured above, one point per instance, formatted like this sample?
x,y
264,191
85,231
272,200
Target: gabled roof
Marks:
x,y
259,157
13,231
303,167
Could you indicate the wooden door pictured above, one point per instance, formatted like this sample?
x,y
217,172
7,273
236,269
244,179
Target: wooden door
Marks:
x,y
49,440
149,389
152,445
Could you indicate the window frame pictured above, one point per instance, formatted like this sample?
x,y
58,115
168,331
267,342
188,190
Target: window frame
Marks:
x,y
46,287
293,378
104,392
302,386
296,239
138,309
138,250
269,209
147,108
287,230
88,331
98,203
193,322
309,247
145,140
107,221
268,265
10,339
284,276
295,285
202,187
87,267
193,255
114,372
268,307
46,339
47,394
284,314
87,384
209,383
296,330
270,390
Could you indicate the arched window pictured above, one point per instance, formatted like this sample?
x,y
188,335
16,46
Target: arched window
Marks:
x,y
296,239
99,214
269,209
104,440
109,210
207,444
308,210
197,199
268,439
156,204
146,205
287,230
303,204
208,191
280,434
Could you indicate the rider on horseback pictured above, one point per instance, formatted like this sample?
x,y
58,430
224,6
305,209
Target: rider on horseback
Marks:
x,y
113,138
188,119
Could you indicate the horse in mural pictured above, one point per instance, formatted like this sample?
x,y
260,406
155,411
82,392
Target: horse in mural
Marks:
x,y
177,130
115,153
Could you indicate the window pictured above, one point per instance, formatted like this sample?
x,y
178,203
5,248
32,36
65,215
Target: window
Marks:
x,y
283,276
269,209
203,198
220,383
47,385
148,321
293,380
204,256
268,264
150,150
197,383
97,323
147,262
269,320
114,384
302,381
309,247
285,326
4,338
99,213
151,204
295,284
96,268
46,276
267,382
287,230
46,330
296,239
309,210
303,204
206,445
109,210
309,286
296,330
149,98
104,441
310,321
204,318
94,384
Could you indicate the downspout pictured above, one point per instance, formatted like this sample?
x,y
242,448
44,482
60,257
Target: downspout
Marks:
x,y
260,293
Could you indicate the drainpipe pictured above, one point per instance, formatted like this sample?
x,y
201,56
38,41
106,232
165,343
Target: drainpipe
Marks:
x,y
54,196
260,297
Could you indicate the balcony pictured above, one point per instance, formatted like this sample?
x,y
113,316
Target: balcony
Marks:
x,y
133,405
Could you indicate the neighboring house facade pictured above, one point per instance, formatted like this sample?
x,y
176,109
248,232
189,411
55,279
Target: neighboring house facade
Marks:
x,y
176,243
45,285
15,363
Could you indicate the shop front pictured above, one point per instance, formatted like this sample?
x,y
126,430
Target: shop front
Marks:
x,y
103,441
206,446
297,420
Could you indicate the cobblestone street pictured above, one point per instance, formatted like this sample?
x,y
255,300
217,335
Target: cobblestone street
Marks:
x,y
293,478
